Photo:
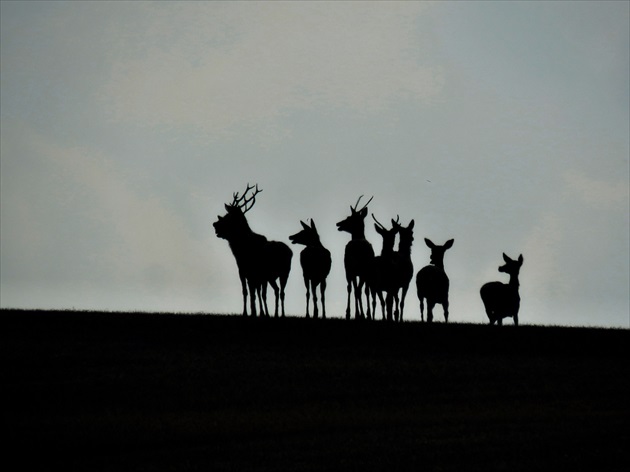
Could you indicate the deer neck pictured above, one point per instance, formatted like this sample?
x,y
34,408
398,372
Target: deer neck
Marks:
x,y
514,283
246,238
358,234
404,249
315,244
387,251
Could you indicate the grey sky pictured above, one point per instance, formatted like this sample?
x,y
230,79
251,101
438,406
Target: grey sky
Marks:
x,y
127,125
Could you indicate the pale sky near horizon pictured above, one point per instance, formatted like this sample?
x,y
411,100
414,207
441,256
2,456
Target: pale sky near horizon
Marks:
x,y
126,126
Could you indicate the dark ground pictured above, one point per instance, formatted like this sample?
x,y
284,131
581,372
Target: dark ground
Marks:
x,y
123,391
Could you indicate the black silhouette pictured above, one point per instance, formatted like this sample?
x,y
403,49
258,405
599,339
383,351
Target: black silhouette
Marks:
x,y
403,272
502,300
432,282
315,261
382,272
357,258
259,261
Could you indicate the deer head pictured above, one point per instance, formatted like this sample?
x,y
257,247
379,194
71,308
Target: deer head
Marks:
x,y
308,236
353,224
234,223
405,232
388,235
511,267
437,252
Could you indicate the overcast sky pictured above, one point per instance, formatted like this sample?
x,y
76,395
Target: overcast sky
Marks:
x,y
126,126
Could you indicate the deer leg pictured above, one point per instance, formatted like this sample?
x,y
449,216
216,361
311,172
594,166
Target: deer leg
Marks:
x,y
253,291
515,320
396,305
276,292
283,284
374,294
382,301
322,287
264,309
348,305
445,305
430,305
357,297
314,290
402,301
388,308
372,300
308,296
421,308
244,292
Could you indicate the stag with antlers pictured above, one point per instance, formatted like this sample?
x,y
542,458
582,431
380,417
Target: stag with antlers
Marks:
x,y
357,258
315,261
259,261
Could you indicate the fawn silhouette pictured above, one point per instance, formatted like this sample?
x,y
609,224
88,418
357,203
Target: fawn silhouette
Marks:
x,y
403,271
259,261
381,272
432,282
315,261
502,300
357,259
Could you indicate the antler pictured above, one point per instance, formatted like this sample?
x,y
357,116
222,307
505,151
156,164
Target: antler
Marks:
x,y
377,222
237,200
243,201
364,206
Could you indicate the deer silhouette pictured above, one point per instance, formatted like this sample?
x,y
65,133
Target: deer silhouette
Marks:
x,y
357,259
432,282
315,261
381,272
259,261
502,300
403,272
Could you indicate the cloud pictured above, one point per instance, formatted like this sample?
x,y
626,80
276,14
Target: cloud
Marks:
x,y
597,192
83,226
253,63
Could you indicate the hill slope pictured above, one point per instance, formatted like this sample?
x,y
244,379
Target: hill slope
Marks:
x,y
130,391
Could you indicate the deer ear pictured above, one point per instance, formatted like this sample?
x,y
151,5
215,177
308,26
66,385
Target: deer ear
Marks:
x,y
520,259
313,225
227,207
506,258
304,225
429,243
449,244
364,212
411,225
378,229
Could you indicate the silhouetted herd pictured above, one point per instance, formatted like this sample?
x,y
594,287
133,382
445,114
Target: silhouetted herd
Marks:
x,y
385,276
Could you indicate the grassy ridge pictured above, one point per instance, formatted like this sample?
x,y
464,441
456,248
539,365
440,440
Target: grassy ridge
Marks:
x,y
134,391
